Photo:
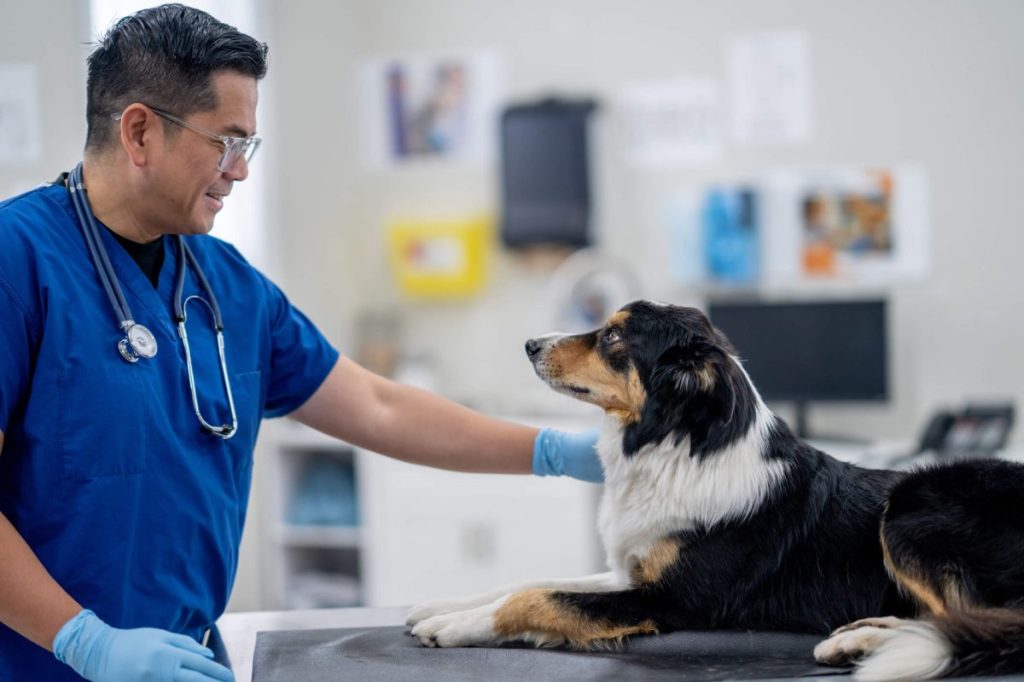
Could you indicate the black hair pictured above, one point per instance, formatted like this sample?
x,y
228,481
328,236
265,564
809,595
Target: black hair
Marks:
x,y
164,57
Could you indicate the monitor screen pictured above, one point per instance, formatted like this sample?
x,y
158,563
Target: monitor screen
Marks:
x,y
809,351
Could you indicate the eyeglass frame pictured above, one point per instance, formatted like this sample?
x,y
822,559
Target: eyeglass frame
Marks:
x,y
230,142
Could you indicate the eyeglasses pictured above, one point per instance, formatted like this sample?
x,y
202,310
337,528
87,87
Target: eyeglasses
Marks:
x,y
235,148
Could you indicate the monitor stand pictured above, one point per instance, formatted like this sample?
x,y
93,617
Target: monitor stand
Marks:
x,y
802,432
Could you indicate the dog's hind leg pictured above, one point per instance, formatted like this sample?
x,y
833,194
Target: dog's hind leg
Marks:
x,y
952,539
545,617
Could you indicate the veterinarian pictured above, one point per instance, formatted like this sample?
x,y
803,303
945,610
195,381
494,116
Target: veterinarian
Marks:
x,y
138,357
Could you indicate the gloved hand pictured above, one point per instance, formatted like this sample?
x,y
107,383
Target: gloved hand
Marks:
x,y
557,453
101,653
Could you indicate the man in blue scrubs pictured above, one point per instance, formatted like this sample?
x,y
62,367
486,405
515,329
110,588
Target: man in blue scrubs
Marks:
x,y
120,516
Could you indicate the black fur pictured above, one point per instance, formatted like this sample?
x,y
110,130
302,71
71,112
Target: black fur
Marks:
x,y
678,344
810,557
808,560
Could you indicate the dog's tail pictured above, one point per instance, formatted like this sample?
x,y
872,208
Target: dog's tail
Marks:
x,y
975,642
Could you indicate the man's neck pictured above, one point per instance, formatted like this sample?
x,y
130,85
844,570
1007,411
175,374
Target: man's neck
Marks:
x,y
110,200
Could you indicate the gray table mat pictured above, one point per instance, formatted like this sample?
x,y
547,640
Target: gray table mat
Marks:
x,y
389,654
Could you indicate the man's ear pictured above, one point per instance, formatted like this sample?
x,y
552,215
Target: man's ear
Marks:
x,y
138,127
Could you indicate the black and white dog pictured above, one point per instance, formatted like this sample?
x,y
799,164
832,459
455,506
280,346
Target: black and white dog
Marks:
x,y
715,516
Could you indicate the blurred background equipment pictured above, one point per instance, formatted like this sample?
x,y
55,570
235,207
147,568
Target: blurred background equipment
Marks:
x,y
545,173
978,430
586,289
804,352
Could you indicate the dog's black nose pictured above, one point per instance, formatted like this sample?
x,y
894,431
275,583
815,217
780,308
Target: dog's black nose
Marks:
x,y
532,347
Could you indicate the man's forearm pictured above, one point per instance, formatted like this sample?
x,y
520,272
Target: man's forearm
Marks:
x,y
440,433
31,601
416,426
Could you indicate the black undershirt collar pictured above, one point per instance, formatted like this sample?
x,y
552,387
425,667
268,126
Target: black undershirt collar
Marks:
x,y
149,257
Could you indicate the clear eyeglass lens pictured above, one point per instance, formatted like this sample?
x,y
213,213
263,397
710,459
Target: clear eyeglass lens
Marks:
x,y
236,150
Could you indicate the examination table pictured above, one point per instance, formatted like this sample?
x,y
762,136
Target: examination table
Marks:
x,y
370,644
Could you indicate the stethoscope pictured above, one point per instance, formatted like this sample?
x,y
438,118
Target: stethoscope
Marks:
x,y
138,341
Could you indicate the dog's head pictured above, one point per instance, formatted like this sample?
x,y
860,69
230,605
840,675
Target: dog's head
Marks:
x,y
662,370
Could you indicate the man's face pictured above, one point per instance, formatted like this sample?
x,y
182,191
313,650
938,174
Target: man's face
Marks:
x,y
189,189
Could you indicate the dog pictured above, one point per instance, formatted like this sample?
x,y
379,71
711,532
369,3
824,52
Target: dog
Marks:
x,y
715,516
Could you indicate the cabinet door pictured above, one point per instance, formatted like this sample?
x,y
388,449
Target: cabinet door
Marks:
x,y
431,533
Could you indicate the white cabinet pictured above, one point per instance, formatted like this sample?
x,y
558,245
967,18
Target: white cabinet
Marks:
x,y
313,536
423,533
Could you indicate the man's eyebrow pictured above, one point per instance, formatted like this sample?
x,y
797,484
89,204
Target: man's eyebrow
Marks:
x,y
237,131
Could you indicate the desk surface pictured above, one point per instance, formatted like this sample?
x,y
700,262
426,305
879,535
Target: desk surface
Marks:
x,y
238,630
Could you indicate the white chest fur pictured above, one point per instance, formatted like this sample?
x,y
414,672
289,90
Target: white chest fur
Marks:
x,y
662,489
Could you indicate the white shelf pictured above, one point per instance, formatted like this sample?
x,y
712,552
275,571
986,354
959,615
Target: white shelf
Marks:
x,y
340,537
296,436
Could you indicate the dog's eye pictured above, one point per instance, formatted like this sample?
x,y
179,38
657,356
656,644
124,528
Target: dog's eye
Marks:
x,y
612,337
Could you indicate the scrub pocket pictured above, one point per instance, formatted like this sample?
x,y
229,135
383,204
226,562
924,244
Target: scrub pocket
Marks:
x,y
103,422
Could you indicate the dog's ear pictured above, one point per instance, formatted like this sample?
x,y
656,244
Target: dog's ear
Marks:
x,y
687,392
687,369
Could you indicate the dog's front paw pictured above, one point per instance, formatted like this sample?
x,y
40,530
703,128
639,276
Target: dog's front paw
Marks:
x,y
435,607
474,627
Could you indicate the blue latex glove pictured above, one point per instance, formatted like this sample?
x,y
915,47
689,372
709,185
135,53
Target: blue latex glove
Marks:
x,y
557,453
101,653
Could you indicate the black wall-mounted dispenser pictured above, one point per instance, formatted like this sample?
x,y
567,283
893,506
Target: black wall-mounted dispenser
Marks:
x,y
545,173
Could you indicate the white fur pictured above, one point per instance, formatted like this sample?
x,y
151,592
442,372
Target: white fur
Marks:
x,y
915,651
463,628
662,489
600,582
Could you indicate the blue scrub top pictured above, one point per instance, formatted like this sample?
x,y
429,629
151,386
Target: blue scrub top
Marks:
x,y
105,472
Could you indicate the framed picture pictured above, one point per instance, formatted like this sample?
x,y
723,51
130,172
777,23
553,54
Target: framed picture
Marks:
x,y
429,108
855,225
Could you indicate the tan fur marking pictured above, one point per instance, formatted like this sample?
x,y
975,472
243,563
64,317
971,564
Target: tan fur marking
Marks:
x,y
706,379
649,569
953,594
535,612
622,395
619,318
913,585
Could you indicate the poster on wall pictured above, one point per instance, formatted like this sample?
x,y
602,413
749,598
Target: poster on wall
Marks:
x,y
670,124
19,114
770,88
715,235
863,225
429,108
806,229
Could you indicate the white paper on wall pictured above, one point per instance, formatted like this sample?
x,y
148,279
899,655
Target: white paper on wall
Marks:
x,y
673,123
19,114
770,87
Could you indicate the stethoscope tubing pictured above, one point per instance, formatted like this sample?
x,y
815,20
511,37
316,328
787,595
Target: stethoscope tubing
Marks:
x,y
101,259
99,254
108,277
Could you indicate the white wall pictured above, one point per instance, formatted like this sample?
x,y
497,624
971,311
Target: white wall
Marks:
x,y
48,34
933,81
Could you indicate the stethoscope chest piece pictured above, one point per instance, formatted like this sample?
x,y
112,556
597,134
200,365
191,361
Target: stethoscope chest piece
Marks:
x,y
138,342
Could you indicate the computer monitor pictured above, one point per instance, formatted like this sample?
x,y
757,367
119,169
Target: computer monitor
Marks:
x,y
806,352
